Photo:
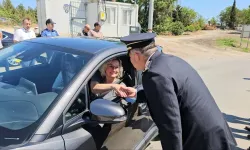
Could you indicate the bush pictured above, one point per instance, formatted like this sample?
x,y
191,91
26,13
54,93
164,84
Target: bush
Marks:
x,y
164,26
193,27
190,28
197,27
177,28
201,22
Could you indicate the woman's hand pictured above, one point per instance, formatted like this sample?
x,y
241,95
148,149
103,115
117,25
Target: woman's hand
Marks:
x,y
119,90
124,91
131,92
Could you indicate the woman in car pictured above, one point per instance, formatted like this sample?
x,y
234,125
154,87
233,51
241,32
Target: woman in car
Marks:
x,y
107,84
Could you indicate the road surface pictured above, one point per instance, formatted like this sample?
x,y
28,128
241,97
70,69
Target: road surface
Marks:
x,y
225,72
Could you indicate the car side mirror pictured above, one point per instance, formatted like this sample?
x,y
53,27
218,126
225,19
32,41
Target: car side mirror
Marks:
x,y
105,111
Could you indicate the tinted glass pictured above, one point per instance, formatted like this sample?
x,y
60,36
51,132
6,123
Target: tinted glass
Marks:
x,y
31,77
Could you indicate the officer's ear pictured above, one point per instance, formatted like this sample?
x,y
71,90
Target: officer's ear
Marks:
x,y
137,56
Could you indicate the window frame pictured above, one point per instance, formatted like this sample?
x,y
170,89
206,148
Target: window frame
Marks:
x,y
86,96
108,17
87,89
128,21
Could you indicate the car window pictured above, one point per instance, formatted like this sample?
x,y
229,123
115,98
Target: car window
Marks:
x,y
4,36
15,63
31,83
19,57
78,106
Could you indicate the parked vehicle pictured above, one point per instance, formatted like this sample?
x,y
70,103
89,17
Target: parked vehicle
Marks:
x,y
7,39
36,114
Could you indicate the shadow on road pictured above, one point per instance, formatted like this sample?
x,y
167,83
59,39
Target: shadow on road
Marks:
x,y
236,119
246,78
236,135
239,120
234,33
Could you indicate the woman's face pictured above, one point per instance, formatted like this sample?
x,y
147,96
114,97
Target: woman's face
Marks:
x,y
112,70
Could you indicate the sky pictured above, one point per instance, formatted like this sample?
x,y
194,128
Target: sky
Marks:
x,y
206,8
212,8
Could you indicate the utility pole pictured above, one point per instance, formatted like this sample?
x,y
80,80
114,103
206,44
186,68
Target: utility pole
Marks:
x,y
150,15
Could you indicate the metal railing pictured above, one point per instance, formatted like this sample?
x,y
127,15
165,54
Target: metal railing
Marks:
x,y
78,17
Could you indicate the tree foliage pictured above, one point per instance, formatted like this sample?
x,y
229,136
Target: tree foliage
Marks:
x,y
166,14
242,16
176,28
213,21
16,15
185,15
233,16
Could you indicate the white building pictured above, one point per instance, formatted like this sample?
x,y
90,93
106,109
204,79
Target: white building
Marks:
x,y
70,16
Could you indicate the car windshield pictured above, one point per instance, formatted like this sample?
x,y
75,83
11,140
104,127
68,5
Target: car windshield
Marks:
x,y
32,75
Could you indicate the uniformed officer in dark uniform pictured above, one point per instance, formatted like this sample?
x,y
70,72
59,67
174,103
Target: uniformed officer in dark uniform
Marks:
x,y
179,102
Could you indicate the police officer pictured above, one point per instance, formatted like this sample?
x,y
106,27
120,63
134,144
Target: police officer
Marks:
x,y
49,31
179,102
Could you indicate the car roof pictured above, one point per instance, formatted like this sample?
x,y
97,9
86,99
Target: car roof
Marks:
x,y
5,32
84,44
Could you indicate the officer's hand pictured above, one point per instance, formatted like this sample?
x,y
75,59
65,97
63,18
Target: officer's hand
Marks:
x,y
119,90
131,92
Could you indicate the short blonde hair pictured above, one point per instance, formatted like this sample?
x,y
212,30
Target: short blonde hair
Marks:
x,y
104,67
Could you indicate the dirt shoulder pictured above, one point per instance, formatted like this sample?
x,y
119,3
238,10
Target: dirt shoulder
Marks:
x,y
198,45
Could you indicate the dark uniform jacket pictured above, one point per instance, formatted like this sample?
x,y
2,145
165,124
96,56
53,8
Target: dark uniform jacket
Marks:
x,y
183,108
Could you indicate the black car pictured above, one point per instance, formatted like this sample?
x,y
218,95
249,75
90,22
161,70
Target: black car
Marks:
x,y
35,114
7,39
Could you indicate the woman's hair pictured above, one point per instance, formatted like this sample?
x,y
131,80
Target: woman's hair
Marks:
x,y
104,67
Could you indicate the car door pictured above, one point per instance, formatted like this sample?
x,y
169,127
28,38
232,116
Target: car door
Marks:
x,y
139,128
57,143
75,117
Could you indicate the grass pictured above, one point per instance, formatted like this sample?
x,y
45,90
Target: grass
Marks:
x,y
228,42
233,42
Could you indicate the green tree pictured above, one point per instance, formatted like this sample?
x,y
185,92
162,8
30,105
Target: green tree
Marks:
x,y
162,15
201,22
244,16
8,8
213,21
185,15
225,16
167,16
20,12
15,15
233,14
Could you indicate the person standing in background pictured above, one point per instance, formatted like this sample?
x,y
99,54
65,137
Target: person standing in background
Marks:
x,y
96,31
49,31
24,33
85,31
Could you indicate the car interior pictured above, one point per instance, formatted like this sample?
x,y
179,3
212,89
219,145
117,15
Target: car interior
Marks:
x,y
129,78
100,132
36,85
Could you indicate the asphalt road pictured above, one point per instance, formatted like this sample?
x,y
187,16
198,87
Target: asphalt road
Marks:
x,y
227,75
